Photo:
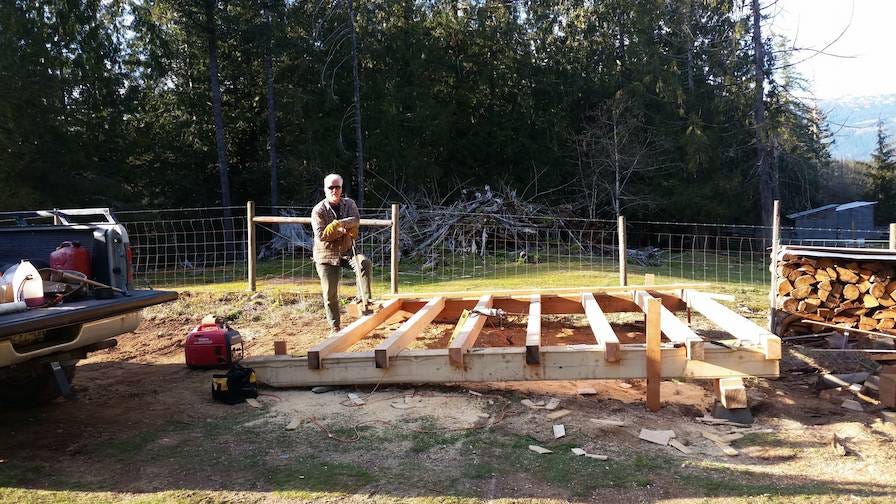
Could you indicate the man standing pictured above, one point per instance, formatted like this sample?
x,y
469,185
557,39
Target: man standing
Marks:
x,y
335,222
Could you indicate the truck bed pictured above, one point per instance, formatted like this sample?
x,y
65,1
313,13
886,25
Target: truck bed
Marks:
x,y
77,312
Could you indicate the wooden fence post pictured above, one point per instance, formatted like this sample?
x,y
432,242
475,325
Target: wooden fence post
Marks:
x,y
893,236
395,250
776,245
250,238
623,269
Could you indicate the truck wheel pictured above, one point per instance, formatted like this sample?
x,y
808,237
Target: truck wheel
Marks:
x,y
33,389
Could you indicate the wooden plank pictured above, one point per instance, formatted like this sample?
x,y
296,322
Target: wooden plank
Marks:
x,y
601,328
307,220
533,330
553,290
344,339
469,332
404,335
738,326
579,362
674,329
653,353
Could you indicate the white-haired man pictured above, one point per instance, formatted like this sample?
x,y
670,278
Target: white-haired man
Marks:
x,y
335,222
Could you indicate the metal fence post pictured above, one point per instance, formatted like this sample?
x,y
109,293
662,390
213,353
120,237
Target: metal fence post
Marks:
x,y
893,236
250,237
623,268
395,250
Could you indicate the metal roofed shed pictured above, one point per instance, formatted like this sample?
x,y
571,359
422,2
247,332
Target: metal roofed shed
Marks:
x,y
846,221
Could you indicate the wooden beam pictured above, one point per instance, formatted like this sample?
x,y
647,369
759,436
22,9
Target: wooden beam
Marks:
x,y
394,256
404,335
307,220
533,330
674,329
738,326
623,253
551,304
584,362
344,339
469,332
600,326
653,353
649,279
557,290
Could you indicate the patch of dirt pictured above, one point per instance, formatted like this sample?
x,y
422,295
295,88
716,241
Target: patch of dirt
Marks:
x,y
142,386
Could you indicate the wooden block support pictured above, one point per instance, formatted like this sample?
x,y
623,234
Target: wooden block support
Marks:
x,y
344,339
887,387
469,332
279,348
533,331
601,328
653,354
404,335
250,245
731,393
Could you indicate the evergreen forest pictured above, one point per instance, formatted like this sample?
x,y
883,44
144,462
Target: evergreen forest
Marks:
x,y
687,110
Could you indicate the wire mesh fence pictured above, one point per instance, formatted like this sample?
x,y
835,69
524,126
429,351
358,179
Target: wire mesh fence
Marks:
x,y
184,247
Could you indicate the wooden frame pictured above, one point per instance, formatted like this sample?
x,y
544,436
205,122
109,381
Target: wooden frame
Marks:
x,y
685,354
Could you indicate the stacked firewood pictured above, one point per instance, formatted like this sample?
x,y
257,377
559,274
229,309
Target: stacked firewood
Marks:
x,y
837,291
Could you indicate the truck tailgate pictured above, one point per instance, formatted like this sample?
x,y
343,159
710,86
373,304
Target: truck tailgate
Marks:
x,y
77,312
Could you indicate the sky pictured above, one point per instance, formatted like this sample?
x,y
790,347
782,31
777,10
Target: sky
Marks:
x,y
870,39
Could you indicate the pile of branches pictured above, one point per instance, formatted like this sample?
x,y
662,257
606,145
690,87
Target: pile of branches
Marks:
x,y
479,221
287,238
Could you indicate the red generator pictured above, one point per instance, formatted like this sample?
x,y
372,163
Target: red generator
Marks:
x,y
213,346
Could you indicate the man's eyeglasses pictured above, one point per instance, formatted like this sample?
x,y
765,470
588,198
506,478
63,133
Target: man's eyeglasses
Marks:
x,y
334,187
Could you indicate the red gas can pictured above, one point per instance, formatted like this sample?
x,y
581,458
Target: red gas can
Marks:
x,y
213,346
70,256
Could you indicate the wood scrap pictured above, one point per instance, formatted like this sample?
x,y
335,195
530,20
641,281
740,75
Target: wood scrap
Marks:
x,y
660,437
559,431
539,449
558,414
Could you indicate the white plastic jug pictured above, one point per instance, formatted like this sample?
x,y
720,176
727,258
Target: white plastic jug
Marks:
x,y
27,286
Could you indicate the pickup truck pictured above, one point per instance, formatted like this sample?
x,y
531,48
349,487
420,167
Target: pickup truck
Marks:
x,y
40,347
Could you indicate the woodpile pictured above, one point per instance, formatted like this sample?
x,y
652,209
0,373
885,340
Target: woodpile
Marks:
x,y
844,292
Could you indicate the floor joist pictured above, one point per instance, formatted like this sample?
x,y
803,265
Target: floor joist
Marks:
x,y
736,325
404,335
600,326
466,337
344,339
533,330
673,327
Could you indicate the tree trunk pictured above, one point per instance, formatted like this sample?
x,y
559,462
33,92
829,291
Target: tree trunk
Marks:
x,y
216,104
272,109
356,82
768,183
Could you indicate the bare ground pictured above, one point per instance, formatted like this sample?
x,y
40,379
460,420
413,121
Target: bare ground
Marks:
x,y
144,427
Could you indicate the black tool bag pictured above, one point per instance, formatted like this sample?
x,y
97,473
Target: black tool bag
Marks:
x,y
234,387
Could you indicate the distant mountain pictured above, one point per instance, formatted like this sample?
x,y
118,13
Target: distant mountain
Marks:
x,y
853,120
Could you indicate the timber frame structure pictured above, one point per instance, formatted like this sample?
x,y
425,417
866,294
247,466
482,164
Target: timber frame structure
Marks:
x,y
749,351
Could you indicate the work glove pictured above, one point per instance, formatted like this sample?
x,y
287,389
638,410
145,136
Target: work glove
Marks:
x,y
333,231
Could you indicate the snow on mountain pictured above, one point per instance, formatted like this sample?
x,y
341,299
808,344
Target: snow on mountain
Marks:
x,y
853,120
